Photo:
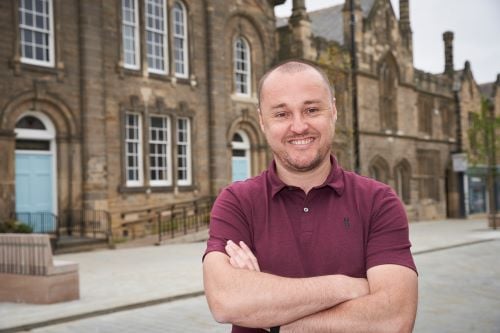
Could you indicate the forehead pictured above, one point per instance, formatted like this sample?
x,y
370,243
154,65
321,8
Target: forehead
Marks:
x,y
290,81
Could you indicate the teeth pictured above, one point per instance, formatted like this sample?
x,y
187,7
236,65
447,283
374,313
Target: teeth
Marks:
x,y
301,142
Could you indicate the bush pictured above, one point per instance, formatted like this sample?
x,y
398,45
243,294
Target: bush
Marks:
x,y
13,226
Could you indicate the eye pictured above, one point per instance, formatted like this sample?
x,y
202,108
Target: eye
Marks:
x,y
280,114
311,110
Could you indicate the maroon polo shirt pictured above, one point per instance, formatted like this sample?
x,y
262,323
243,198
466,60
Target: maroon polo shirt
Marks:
x,y
345,226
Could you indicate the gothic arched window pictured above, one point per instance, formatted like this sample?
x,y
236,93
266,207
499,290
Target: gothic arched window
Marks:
x,y
388,88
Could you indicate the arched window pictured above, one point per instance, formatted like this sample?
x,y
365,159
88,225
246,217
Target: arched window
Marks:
x,y
402,174
388,84
240,156
379,169
179,30
242,61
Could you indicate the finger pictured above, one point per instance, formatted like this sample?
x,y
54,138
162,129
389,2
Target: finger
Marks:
x,y
237,259
241,257
250,255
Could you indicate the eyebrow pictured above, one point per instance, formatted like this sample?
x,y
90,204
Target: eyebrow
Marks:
x,y
309,102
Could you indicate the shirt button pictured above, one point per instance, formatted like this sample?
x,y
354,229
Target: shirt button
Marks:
x,y
306,209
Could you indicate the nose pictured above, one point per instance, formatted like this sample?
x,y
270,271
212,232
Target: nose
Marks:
x,y
299,124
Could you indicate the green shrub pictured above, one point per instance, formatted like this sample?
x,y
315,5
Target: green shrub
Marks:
x,y
13,226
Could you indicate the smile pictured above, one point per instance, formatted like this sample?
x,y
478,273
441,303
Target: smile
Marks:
x,y
301,141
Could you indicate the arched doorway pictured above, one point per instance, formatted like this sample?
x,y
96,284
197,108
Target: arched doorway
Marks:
x,y
35,175
240,156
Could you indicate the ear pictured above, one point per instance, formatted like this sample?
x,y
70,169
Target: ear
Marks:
x,y
261,121
334,110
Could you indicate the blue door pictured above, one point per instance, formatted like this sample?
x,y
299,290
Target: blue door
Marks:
x,y
34,191
240,168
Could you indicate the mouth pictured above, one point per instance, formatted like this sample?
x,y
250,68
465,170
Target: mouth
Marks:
x,y
303,141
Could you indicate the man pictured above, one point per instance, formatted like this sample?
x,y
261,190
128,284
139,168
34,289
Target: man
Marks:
x,y
307,246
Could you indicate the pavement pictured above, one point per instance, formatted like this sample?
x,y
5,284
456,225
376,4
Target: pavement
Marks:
x,y
167,280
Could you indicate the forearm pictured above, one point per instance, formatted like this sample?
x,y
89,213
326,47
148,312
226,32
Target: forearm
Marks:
x,y
255,299
388,310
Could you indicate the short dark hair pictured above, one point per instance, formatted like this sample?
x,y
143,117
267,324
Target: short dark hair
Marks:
x,y
294,65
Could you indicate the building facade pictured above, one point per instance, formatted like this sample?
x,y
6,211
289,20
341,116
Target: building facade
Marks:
x,y
407,124
126,106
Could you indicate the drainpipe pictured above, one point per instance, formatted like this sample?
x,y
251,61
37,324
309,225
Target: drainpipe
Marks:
x,y
354,66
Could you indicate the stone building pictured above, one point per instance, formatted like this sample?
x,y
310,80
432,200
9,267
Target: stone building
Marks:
x,y
407,125
127,106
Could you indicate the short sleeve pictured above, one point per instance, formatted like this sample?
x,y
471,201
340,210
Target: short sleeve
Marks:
x,y
388,237
228,221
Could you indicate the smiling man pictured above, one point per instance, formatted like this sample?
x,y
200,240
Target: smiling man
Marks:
x,y
307,246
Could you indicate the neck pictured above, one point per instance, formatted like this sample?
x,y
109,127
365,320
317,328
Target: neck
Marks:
x,y
305,180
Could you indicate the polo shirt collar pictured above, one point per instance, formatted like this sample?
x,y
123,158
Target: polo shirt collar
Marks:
x,y
335,179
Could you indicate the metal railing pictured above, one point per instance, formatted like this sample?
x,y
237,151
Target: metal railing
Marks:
x,y
40,222
86,223
183,218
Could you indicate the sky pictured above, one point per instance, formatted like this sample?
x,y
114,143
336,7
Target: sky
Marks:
x,y
475,24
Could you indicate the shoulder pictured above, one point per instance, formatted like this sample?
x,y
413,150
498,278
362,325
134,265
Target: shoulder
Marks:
x,y
365,185
246,190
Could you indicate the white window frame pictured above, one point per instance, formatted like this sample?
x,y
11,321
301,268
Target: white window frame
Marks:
x,y
239,62
137,141
179,7
48,32
187,156
136,40
163,31
166,157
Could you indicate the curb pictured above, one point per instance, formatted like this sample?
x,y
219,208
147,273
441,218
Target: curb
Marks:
x,y
96,313
448,247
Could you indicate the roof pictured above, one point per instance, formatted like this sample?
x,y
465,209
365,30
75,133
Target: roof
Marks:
x,y
486,89
328,22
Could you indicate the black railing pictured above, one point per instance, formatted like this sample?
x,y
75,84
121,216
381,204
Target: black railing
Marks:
x,y
86,223
83,223
183,218
40,222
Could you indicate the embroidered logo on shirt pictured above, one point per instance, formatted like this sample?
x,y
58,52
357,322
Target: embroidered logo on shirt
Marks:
x,y
347,224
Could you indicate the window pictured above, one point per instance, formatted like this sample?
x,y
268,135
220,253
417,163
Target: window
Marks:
x,y
183,151
447,121
133,150
428,170
241,66
130,34
379,169
156,36
388,84
402,178
159,151
425,107
36,32
179,28
240,156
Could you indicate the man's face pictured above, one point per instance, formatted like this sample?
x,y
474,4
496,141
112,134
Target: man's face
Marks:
x,y
297,116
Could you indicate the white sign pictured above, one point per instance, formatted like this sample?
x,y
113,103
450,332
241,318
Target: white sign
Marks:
x,y
459,162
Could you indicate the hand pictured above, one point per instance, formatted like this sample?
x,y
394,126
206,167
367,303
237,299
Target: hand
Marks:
x,y
241,256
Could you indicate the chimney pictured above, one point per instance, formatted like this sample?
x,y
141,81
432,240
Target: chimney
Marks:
x,y
300,27
448,52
